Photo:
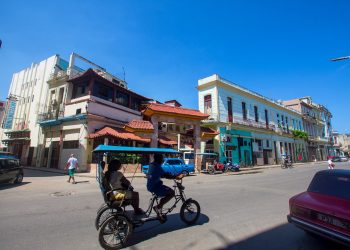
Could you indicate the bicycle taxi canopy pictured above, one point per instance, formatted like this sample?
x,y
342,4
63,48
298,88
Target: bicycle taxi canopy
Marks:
x,y
126,152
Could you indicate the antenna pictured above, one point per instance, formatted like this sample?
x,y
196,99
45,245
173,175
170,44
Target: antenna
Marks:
x,y
123,73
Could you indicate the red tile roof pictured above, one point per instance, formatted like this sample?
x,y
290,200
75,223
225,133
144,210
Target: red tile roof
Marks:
x,y
166,141
118,133
204,131
163,108
140,124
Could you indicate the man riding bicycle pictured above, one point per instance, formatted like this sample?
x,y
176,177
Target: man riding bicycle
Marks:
x,y
155,184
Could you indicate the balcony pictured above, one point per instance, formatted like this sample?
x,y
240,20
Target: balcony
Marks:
x,y
252,123
51,113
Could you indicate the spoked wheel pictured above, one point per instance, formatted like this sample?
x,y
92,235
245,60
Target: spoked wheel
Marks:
x,y
114,232
190,211
102,214
211,171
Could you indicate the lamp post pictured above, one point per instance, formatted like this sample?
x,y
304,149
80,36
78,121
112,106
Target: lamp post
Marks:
x,y
340,58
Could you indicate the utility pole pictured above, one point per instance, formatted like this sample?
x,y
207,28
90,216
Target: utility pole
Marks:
x,y
340,58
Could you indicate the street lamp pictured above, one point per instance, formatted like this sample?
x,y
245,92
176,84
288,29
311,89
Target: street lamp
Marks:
x,y
340,58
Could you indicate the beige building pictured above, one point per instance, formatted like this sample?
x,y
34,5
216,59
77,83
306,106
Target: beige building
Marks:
x,y
317,124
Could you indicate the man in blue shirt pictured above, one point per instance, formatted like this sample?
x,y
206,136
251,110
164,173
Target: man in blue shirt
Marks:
x,y
155,184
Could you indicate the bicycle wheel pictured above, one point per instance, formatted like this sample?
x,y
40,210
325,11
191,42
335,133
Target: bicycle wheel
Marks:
x,y
102,214
190,211
114,232
211,171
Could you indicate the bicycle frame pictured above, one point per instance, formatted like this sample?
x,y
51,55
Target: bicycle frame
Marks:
x,y
179,196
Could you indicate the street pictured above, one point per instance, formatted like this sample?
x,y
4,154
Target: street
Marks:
x,y
246,211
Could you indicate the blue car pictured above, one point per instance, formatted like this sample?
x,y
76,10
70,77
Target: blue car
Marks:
x,y
8,155
173,166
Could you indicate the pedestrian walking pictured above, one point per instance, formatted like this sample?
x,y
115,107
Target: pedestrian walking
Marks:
x,y
330,163
72,164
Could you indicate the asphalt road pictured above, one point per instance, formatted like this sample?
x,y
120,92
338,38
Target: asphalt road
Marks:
x,y
245,211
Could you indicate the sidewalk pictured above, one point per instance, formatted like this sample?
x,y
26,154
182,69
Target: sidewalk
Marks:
x,y
128,175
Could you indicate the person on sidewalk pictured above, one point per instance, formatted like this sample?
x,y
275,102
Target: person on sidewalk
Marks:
x,y
122,186
72,164
155,184
330,163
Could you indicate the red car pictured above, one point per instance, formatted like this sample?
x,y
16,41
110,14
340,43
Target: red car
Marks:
x,y
324,209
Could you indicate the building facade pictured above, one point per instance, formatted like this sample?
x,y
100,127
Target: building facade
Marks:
x,y
341,144
27,94
317,124
254,130
56,108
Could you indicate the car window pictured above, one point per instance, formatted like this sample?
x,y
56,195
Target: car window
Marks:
x,y
174,162
331,184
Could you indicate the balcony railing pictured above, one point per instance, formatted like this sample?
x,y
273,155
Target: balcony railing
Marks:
x,y
252,123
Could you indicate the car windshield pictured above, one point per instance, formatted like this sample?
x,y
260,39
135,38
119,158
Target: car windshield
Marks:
x,y
337,185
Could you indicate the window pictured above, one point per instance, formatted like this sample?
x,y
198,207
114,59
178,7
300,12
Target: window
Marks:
x,y
244,111
229,109
287,125
266,118
78,111
207,104
174,162
256,114
267,143
80,90
71,144
135,103
282,118
122,99
103,91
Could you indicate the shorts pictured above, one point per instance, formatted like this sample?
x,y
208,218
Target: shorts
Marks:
x,y
71,172
162,190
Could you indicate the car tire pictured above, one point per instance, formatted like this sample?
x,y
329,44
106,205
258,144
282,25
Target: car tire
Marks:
x,y
19,178
185,173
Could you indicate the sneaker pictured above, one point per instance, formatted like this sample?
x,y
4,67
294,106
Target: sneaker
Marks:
x,y
159,214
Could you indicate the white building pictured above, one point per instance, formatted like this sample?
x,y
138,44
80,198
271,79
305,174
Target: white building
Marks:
x,y
26,98
254,130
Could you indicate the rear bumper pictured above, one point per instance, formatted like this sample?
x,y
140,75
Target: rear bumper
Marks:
x,y
322,231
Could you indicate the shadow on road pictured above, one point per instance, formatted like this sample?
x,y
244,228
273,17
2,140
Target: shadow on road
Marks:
x,y
40,173
286,237
11,185
152,229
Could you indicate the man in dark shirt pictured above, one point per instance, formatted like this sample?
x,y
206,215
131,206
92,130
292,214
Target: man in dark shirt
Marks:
x,y
155,184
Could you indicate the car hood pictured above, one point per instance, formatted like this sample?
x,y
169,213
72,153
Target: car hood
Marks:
x,y
324,203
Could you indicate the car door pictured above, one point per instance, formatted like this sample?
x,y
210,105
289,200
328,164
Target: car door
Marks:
x,y
4,170
177,166
167,167
12,168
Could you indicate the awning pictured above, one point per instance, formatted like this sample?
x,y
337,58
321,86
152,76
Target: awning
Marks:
x,y
166,141
118,133
107,148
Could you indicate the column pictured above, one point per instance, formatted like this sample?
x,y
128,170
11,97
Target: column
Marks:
x,y
197,147
154,139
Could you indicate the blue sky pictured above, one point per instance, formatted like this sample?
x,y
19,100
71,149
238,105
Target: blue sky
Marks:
x,y
280,49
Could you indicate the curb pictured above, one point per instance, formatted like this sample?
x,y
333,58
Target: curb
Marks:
x,y
141,175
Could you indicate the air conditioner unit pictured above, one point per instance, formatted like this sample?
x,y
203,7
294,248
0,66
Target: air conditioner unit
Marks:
x,y
164,127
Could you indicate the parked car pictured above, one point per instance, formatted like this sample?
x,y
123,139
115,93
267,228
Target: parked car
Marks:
x,y
340,158
173,166
4,154
324,209
10,170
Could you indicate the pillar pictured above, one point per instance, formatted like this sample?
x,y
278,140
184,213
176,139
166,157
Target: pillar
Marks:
x,y
154,139
197,147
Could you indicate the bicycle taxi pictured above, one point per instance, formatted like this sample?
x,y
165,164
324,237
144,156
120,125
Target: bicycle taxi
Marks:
x,y
113,222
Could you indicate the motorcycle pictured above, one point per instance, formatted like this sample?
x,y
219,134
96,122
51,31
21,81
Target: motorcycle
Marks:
x,y
216,166
233,167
